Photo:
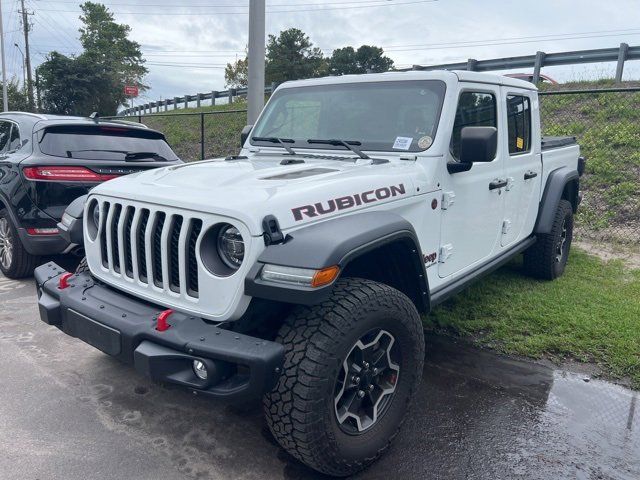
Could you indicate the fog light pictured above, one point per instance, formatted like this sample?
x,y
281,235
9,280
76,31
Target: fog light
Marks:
x,y
200,369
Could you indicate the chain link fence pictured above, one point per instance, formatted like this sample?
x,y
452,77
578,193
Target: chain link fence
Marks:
x,y
606,123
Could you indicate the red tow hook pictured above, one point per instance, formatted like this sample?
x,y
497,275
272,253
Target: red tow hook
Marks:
x,y
63,281
162,324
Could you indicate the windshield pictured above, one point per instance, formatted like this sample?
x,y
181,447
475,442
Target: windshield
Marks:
x,y
104,143
383,116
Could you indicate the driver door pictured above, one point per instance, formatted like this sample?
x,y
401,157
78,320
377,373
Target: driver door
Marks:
x,y
473,207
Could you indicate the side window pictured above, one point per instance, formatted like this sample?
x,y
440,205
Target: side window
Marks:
x,y
519,122
14,141
5,131
475,109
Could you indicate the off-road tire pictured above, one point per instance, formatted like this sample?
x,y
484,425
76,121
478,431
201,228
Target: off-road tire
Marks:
x,y
82,266
541,259
22,263
300,409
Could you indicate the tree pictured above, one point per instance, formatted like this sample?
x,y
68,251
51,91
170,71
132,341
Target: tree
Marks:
x,y
119,59
94,80
292,56
236,75
17,96
68,84
367,58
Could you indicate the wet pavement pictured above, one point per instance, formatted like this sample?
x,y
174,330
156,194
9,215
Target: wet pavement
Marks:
x,y
70,412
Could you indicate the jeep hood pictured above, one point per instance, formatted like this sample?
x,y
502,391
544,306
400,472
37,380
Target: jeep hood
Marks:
x,y
248,190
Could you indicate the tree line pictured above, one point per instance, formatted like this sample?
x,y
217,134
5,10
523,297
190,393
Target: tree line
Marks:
x,y
292,56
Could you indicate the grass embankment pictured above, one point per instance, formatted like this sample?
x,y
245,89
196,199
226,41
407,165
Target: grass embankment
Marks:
x,y
590,314
608,129
221,131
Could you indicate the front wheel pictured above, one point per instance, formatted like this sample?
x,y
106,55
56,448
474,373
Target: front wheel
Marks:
x,y
352,367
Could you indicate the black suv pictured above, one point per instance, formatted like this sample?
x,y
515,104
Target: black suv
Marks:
x,y
46,161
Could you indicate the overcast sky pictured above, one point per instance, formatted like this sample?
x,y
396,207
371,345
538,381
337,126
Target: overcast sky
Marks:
x,y
187,43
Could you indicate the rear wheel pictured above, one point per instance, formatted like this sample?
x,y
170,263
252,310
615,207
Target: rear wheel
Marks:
x,y
547,258
352,367
15,261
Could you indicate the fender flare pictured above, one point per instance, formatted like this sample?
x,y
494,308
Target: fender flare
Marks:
x,y
334,242
553,190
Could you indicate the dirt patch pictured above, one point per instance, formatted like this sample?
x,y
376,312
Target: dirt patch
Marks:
x,y
630,255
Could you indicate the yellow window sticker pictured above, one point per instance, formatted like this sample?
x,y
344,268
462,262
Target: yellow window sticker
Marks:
x,y
520,143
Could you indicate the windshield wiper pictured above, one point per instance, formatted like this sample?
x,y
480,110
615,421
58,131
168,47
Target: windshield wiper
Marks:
x,y
282,141
130,156
350,144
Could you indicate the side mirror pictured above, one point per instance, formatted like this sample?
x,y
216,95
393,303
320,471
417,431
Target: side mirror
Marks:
x,y
478,144
245,134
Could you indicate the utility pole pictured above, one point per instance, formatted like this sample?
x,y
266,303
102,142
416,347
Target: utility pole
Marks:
x,y
25,27
255,95
5,95
24,68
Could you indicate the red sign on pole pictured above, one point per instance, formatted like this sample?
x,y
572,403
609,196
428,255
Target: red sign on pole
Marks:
x,y
131,90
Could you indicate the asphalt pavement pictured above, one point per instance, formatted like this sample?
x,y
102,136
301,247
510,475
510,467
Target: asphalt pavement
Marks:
x,y
68,411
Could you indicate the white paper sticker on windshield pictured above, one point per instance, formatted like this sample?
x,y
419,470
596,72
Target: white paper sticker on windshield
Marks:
x,y
402,143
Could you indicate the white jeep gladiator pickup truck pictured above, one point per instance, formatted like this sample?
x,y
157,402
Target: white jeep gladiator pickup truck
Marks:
x,y
298,270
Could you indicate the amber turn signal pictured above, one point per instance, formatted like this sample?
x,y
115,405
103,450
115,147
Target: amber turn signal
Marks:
x,y
325,276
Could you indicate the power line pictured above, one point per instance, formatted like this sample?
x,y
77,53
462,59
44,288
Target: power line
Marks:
x,y
191,5
385,3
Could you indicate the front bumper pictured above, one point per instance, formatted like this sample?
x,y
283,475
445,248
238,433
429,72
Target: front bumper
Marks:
x,y
239,366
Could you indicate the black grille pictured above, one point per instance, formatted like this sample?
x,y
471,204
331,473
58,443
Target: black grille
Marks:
x,y
142,235
156,249
142,247
103,234
174,254
115,248
128,257
192,263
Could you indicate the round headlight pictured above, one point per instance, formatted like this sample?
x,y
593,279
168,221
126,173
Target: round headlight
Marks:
x,y
231,246
95,215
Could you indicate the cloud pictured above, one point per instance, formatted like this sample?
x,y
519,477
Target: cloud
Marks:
x,y
416,33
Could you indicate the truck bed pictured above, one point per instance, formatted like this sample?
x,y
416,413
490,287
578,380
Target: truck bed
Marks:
x,y
555,142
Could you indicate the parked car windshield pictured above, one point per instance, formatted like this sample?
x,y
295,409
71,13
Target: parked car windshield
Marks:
x,y
383,116
104,143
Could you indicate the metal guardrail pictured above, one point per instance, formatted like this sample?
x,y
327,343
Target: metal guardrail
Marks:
x,y
199,98
620,55
541,59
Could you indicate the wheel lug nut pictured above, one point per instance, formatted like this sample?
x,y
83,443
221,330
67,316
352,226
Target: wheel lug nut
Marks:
x,y
365,365
371,387
360,393
375,371
355,379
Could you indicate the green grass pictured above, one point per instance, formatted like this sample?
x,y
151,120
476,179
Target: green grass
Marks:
x,y
591,314
221,131
607,126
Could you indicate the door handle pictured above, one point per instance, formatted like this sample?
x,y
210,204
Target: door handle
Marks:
x,y
530,174
499,183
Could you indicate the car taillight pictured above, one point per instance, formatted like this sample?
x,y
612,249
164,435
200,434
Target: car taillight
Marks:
x,y
65,174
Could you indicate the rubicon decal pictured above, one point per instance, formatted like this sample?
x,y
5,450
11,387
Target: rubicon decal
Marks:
x,y
349,201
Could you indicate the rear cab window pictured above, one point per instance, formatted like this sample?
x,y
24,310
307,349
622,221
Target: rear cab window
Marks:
x,y
519,124
103,142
